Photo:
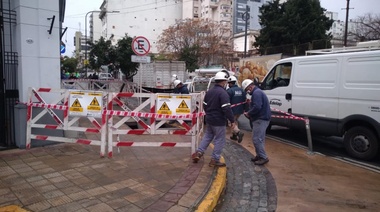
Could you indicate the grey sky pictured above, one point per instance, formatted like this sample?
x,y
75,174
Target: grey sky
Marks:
x,y
77,9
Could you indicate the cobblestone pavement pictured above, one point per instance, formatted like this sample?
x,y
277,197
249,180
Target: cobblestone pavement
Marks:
x,y
249,187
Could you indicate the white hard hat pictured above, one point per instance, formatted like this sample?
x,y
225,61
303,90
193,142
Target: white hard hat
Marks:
x,y
221,75
176,82
246,83
232,79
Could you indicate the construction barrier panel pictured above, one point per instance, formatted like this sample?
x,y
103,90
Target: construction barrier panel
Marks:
x,y
76,105
150,114
97,114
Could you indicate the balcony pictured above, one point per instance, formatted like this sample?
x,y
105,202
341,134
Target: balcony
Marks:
x,y
214,4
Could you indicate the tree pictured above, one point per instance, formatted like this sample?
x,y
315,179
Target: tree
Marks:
x,y
124,54
69,64
367,28
197,42
293,22
102,53
117,57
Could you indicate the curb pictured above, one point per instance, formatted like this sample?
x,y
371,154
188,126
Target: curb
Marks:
x,y
218,185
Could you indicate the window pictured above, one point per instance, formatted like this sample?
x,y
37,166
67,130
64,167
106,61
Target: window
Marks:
x,y
278,77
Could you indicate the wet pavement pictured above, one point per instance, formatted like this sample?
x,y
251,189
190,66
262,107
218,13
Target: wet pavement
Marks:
x,y
72,177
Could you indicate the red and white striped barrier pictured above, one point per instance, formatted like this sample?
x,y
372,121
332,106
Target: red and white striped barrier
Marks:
x,y
287,115
149,121
38,98
152,126
240,103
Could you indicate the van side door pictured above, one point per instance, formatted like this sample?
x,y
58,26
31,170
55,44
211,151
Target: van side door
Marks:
x,y
277,85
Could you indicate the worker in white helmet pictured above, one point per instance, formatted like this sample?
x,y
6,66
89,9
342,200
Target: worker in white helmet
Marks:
x,y
259,114
179,87
218,110
237,95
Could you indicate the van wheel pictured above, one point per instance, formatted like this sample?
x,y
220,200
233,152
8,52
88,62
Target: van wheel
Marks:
x,y
361,142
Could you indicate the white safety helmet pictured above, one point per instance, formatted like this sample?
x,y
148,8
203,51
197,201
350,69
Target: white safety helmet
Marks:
x,y
176,82
221,75
246,83
232,79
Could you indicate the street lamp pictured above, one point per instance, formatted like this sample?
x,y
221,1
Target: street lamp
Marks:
x,y
85,34
245,16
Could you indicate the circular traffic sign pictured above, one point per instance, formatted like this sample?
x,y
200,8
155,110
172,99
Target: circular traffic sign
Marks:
x,y
140,46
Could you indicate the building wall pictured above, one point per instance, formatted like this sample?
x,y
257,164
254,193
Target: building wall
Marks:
x,y
146,18
39,51
95,27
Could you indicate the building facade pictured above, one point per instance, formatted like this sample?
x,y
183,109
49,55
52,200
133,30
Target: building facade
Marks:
x,y
30,40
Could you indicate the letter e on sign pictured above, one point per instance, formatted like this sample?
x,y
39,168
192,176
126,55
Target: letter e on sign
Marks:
x,y
140,46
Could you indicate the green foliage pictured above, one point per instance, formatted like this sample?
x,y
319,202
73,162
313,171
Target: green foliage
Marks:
x,y
124,54
190,55
293,22
114,57
69,64
102,53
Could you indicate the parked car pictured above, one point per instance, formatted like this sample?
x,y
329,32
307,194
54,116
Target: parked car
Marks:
x,y
105,76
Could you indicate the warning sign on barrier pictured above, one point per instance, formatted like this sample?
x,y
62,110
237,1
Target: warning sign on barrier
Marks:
x,y
183,108
85,104
164,109
173,104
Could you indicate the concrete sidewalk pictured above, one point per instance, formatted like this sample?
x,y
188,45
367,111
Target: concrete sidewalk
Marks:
x,y
72,177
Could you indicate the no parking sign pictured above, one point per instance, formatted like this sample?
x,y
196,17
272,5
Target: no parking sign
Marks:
x,y
140,46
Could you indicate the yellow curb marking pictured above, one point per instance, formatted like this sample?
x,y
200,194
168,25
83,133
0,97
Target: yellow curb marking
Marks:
x,y
211,199
12,208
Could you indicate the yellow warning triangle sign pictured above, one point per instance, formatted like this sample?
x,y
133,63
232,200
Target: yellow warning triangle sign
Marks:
x,y
94,102
76,103
164,107
183,105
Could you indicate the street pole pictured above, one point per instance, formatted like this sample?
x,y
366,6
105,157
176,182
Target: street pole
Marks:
x,y
245,17
346,26
85,35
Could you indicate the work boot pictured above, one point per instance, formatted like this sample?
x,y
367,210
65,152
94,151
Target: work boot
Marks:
x,y
256,158
240,136
234,137
216,163
261,161
196,156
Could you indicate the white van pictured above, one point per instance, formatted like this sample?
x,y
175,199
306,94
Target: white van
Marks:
x,y
338,92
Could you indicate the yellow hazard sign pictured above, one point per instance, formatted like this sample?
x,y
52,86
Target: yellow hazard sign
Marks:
x,y
76,106
182,108
94,105
164,109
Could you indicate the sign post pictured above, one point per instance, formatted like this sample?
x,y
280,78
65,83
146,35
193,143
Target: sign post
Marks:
x,y
141,47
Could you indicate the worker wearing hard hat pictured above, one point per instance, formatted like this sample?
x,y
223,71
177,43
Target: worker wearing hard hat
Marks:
x,y
179,87
218,110
259,114
237,95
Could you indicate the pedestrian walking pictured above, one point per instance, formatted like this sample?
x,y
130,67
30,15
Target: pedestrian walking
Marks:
x,y
237,95
259,114
218,109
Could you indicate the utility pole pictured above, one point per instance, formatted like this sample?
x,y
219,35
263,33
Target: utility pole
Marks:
x,y
346,26
245,16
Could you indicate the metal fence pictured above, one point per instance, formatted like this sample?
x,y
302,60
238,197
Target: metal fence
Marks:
x,y
295,50
8,75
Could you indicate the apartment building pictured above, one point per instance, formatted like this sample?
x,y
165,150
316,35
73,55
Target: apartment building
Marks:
x,y
150,17
139,18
